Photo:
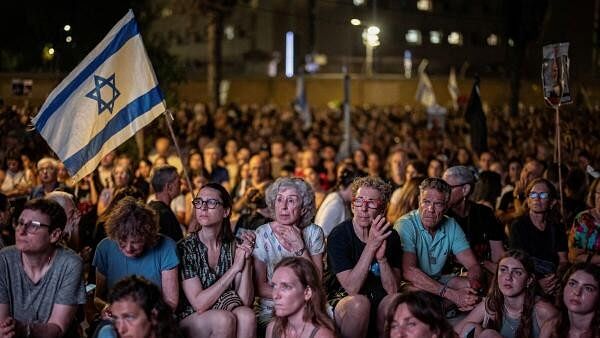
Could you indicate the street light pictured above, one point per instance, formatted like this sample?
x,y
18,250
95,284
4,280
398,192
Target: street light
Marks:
x,y
371,40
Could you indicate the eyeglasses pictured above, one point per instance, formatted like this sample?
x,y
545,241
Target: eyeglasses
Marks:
x,y
291,200
210,203
47,169
458,185
542,195
30,227
371,204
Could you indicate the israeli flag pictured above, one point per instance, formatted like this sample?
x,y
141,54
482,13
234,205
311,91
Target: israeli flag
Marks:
x,y
104,101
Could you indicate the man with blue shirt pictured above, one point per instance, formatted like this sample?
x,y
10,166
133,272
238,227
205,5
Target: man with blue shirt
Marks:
x,y
428,237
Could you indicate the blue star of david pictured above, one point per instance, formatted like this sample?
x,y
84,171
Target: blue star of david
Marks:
x,y
95,94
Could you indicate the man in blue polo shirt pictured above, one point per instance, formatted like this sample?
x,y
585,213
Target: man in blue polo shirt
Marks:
x,y
428,237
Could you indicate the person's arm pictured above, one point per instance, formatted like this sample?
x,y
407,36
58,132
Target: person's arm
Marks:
x,y
170,287
544,312
468,260
202,299
4,312
581,256
475,317
548,328
388,275
352,280
318,263
244,284
464,298
60,319
93,191
263,288
103,201
100,292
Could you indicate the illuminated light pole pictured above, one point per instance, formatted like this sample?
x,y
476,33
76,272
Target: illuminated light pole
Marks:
x,y
371,40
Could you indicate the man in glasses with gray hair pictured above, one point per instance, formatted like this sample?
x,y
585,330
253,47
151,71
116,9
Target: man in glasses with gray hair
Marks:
x,y
364,258
40,282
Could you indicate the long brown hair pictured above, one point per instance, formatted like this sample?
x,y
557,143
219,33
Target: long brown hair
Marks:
x,y
494,303
314,309
408,199
563,324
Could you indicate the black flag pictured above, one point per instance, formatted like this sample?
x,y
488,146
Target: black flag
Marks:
x,y
476,119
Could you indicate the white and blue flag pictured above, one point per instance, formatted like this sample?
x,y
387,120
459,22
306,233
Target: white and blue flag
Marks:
x,y
104,101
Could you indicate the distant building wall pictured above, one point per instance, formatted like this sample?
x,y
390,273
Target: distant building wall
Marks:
x,y
321,90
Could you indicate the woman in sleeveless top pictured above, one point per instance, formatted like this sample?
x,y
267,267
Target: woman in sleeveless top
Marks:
x,y
511,309
578,304
299,302
216,272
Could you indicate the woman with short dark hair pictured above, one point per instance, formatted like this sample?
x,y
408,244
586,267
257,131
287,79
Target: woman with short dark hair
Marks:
x,y
137,310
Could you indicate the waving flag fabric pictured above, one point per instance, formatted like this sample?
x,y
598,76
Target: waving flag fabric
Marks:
x,y
104,101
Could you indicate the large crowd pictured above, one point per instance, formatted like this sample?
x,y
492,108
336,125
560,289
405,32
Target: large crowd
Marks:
x,y
292,230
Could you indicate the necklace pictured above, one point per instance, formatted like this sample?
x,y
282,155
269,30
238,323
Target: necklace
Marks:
x,y
301,332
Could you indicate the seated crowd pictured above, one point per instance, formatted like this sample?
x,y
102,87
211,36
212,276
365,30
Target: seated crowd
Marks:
x,y
285,241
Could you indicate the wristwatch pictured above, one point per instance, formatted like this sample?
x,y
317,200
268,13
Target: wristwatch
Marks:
x,y
299,252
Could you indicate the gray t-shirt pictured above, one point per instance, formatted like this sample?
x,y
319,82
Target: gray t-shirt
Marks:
x,y
30,302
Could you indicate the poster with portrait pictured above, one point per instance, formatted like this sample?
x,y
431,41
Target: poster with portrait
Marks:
x,y
555,74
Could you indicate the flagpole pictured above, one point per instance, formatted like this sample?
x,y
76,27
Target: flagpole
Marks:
x,y
169,118
347,132
558,155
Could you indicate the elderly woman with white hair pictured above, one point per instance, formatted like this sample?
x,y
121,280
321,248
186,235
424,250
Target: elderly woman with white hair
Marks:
x,y
291,202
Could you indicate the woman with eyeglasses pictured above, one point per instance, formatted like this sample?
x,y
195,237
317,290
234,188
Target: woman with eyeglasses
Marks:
x,y
584,239
216,272
578,304
511,309
540,233
135,247
291,202
299,302
364,256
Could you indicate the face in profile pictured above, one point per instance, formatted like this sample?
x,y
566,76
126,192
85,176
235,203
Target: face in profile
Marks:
x,y
581,293
289,294
130,319
405,325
